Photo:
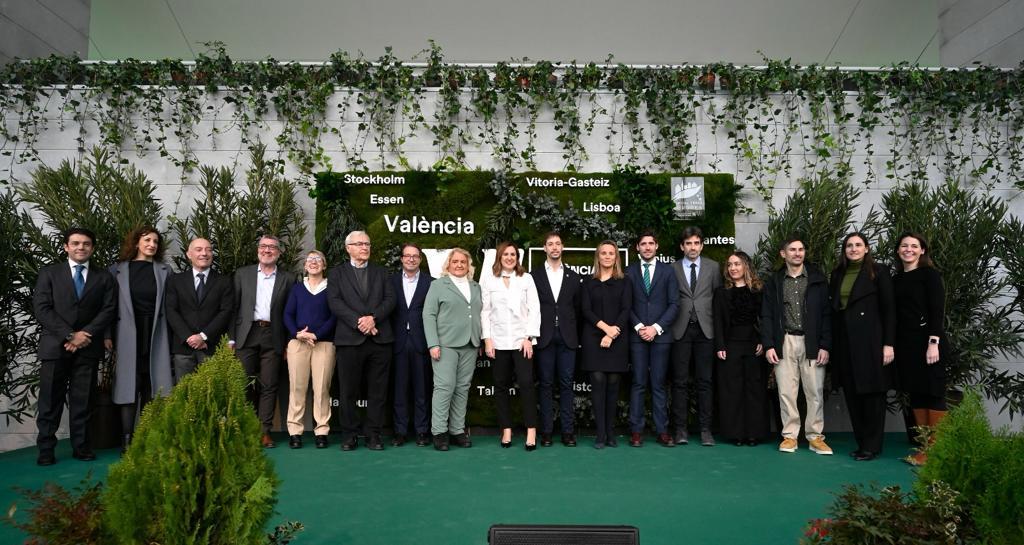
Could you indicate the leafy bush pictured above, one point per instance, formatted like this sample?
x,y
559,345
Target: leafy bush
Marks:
x,y
195,472
59,516
986,469
233,219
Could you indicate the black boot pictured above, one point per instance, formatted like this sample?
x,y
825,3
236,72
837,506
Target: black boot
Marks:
x,y
126,440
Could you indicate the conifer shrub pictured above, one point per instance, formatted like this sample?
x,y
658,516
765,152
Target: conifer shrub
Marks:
x,y
195,472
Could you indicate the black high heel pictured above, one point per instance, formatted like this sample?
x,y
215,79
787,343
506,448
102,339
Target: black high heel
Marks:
x,y
529,447
506,445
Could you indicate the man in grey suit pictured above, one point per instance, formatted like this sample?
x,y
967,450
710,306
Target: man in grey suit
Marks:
x,y
698,278
259,335
361,297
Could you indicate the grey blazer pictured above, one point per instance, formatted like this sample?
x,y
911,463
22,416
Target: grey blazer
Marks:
x,y
448,319
245,292
708,280
125,338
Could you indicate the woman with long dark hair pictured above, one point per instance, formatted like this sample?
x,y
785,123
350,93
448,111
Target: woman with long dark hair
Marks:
x,y
920,335
142,354
607,300
742,373
863,332
511,324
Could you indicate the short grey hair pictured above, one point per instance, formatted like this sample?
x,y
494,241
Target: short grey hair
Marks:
x,y
348,238
276,240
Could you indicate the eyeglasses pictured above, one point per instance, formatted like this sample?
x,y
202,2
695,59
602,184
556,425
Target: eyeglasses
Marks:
x,y
410,256
314,259
359,244
267,246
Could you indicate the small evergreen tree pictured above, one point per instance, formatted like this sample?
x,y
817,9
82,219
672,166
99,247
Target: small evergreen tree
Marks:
x,y
195,472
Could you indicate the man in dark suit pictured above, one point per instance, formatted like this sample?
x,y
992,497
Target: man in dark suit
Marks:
x,y
558,289
259,334
74,304
361,297
655,306
698,278
412,361
199,303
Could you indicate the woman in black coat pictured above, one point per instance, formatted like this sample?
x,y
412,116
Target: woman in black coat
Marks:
x,y
742,373
920,338
607,299
863,332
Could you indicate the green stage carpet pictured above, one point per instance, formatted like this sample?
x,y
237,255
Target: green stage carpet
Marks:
x,y
683,495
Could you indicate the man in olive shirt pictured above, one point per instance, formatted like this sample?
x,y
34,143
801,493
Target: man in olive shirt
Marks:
x,y
796,331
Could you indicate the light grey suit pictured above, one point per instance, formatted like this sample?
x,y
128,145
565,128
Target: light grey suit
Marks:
x,y
708,280
126,338
452,323
693,342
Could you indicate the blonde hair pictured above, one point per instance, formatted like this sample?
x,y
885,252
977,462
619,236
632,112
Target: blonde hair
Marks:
x,y
616,268
750,277
448,262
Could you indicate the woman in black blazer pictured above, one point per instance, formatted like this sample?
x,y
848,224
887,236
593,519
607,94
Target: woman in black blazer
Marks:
x,y
607,300
742,373
920,337
863,331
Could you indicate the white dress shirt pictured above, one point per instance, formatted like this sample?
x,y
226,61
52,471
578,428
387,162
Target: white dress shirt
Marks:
x,y
653,264
409,286
264,293
554,277
510,314
85,271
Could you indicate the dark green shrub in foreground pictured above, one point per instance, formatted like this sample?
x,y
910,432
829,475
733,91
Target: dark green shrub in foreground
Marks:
x,y
986,469
195,472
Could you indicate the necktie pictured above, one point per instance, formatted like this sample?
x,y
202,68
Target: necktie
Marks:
x,y
647,278
693,276
201,287
79,280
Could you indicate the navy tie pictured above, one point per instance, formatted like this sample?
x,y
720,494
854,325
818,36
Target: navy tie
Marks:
x,y
201,287
79,280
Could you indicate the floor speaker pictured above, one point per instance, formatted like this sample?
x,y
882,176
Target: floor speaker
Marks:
x,y
554,534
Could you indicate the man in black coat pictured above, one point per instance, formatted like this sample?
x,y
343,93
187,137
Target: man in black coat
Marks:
x,y
796,331
412,361
199,303
361,297
558,289
74,304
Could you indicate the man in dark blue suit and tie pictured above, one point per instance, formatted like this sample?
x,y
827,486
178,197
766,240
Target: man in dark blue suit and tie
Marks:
x,y
412,361
655,306
74,303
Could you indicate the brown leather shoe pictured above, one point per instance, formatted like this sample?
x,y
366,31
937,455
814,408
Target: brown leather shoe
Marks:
x,y
635,440
266,441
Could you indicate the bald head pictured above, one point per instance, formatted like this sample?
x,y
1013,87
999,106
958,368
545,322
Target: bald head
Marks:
x,y
200,254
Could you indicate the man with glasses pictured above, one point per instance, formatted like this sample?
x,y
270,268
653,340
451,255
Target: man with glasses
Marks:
x,y
259,335
412,361
362,299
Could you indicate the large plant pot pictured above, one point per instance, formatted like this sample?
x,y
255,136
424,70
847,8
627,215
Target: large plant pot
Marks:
x,y
105,423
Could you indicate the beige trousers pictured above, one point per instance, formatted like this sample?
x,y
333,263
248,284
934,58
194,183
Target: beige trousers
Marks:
x,y
305,361
793,369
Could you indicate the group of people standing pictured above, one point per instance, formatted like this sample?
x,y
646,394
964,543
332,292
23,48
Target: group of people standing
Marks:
x,y
654,320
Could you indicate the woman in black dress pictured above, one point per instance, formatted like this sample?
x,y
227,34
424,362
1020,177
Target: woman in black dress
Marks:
x,y
920,338
607,298
742,408
142,367
863,331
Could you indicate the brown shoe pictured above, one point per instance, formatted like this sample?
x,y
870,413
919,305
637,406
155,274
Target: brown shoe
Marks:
x,y
788,445
635,440
818,446
665,440
266,441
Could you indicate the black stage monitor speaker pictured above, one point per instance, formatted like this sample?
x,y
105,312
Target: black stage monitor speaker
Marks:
x,y
555,534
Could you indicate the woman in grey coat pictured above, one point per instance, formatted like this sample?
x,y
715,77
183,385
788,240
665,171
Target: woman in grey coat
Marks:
x,y
142,354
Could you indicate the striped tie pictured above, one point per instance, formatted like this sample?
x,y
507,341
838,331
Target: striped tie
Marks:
x,y
647,278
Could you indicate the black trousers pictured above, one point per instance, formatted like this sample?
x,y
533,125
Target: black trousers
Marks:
x,y
696,348
413,379
604,393
742,408
507,362
556,364
352,363
263,366
867,415
71,379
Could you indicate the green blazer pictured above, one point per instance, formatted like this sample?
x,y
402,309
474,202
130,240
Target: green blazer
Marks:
x,y
448,319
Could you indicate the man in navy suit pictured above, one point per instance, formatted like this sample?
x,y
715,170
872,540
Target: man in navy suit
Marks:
x,y
558,289
655,306
411,359
74,304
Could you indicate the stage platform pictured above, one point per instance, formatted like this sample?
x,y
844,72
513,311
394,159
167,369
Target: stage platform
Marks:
x,y
690,495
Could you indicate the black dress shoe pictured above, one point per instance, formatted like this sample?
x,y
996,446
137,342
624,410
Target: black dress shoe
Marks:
x,y
441,442
568,439
351,443
855,453
373,442
545,440
84,454
295,441
865,456
46,458
461,440
739,442
753,442
506,444
398,440
611,442
529,447
422,439
321,441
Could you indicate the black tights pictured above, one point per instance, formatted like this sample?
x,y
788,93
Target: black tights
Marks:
x,y
129,411
927,401
605,396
